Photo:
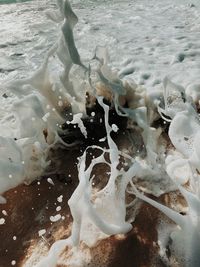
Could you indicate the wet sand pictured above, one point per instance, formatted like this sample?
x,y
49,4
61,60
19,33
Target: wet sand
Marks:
x,y
28,213
29,208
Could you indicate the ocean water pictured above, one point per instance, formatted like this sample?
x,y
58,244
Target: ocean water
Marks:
x,y
12,1
146,39
145,36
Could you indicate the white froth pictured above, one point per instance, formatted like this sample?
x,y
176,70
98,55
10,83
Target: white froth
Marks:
x,y
42,100
42,232
55,218
49,180
60,198
2,221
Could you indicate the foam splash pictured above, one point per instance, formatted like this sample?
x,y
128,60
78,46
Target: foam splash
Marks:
x,y
43,102
183,132
47,100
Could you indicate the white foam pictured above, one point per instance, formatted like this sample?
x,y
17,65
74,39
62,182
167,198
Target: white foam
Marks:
x,y
43,100
2,221
55,218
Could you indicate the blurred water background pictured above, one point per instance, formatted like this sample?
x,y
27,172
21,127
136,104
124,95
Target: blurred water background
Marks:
x,y
12,1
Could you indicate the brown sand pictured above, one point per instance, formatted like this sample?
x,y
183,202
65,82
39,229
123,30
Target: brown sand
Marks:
x,y
29,209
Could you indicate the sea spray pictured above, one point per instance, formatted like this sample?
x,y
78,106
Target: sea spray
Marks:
x,y
50,100
43,103
183,132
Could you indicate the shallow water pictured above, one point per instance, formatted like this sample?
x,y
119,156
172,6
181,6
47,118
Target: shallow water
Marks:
x,y
146,38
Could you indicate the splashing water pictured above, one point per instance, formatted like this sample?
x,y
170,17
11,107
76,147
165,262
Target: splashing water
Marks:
x,y
48,100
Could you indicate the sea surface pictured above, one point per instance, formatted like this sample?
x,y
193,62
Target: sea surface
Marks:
x,y
12,1
146,40
153,39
